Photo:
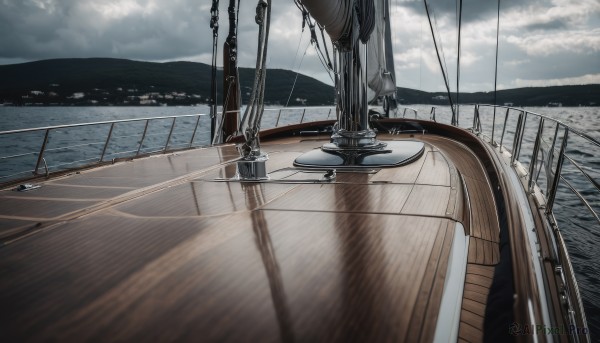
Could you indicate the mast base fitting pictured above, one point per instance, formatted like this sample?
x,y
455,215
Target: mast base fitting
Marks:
x,y
377,155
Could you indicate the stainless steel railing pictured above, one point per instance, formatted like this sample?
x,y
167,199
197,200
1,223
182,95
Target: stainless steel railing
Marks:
x,y
548,152
272,117
545,162
119,134
120,139
404,109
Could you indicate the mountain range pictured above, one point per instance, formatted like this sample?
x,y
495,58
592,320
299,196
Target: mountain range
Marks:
x,y
107,81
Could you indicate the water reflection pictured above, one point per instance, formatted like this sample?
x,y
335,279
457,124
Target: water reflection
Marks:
x,y
364,310
255,198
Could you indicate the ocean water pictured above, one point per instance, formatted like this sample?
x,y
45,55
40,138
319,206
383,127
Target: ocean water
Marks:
x,y
580,230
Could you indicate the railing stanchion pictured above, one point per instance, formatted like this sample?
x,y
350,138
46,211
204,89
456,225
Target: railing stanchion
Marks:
x,y
519,135
112,126
523,128
170,134
278,116
516,140
194,133
41,155
493,126
504,129
553,146
476,120
534,155
143,137
557,173
303,113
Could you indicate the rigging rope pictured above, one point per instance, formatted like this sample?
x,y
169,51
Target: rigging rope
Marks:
x,y
306,20
437,36
329,64
218,136
496,69
237,16
255,109
441,65
297,73
314,41
458,63
421,58
297,50
366,19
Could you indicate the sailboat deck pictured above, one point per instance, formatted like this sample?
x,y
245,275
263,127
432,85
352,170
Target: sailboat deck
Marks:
x,y
163,248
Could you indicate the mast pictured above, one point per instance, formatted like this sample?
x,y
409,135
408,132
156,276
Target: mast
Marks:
x,y
351,25
231,85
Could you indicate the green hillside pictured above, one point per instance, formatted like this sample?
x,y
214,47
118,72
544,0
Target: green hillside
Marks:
x,y
114,81
105,81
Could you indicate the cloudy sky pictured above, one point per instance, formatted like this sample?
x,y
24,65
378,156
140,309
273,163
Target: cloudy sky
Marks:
x,y
542,42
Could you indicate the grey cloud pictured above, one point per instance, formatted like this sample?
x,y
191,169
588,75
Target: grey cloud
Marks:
x,y
473,10
179,30
72,30
551,25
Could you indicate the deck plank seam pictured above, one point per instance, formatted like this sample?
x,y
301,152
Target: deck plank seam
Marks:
x,y
483,304
53,199
431,284
413,184
481,170
463,322
473,329
52,222
479,284
362,212
479,277
445,250
58,184
477,288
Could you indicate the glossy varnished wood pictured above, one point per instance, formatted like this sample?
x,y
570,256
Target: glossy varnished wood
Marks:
x,y
344,198
477,285
409,173
258,276
484,219
205,198
483,252
483,227
363,258
73,195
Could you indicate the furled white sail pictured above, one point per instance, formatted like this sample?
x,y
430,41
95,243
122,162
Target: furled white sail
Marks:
x,y
372,26
334,15
380,63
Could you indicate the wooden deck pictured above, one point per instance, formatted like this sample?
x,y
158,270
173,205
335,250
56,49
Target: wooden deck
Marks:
x,y
484,252
159,249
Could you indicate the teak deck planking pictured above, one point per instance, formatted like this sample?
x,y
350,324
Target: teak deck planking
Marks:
x,y
363,258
